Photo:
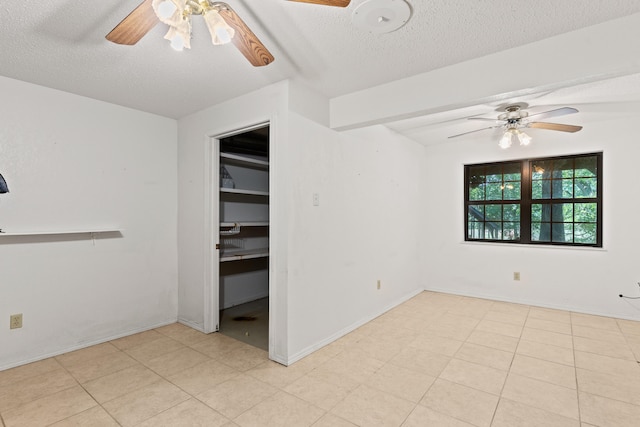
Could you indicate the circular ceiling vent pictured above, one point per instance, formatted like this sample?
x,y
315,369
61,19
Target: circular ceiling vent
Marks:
x,y
381,16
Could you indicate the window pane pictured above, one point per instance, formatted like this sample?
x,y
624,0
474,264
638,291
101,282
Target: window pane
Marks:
x,y
585,233
586,212
541,189
511,212
477,193
586,187
562,188
561,232
476,175
493,213
476,213
562,212
586,167
512,191
540,232
476,182
545,212
536,213
493,230
540,169
494,191
512,172
475,230
563,168
494,177
511,231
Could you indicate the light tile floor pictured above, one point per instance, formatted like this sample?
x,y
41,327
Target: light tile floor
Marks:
x,y
436,360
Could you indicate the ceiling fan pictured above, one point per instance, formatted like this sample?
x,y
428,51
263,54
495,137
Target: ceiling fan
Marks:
x,y
514,119
224,24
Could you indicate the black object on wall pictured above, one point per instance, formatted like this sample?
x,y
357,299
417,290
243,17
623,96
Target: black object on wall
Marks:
x,y
3,185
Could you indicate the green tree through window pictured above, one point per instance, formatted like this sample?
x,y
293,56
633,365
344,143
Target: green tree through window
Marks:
x,y
554,201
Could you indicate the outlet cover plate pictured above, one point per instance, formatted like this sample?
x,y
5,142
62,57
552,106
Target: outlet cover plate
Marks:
x,y
15,321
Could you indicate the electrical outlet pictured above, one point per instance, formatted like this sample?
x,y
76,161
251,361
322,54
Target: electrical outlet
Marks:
x,y
15,321
378,284
516,275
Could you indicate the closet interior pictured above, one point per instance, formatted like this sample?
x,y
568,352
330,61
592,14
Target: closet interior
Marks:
x,y
244,237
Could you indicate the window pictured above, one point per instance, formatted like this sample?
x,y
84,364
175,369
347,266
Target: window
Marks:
x,y
554,201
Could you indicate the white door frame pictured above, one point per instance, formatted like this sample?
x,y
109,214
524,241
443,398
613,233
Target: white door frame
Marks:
x,y
212,229
211,235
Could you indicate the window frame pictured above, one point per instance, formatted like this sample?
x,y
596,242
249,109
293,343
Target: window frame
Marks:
x,y
526,200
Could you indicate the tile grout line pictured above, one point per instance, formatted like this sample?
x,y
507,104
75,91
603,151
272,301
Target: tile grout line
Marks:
x,y
495,411
117,371
575,369
436,378
626,340
88,393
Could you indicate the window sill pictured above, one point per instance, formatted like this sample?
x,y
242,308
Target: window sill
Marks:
x,y
527,246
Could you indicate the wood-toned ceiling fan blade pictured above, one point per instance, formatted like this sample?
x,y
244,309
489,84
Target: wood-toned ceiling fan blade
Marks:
x,y
245,40
132,28
477,130
554,126
337,3
554,113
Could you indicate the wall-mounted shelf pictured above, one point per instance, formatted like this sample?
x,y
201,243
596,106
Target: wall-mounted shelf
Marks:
x,y
240,254
245,224
236,159
59,232
245,192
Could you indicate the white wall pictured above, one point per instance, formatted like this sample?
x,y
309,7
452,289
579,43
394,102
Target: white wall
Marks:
x,y
366,228
327,258
74,163
579,279
243,283
194,132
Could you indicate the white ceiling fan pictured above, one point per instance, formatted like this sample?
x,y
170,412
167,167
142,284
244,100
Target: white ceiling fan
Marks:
x,y
514,119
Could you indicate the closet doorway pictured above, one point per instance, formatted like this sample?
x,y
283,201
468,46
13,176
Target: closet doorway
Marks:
x,y
243,235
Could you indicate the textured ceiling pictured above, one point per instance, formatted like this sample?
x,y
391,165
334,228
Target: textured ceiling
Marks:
x,y
61,44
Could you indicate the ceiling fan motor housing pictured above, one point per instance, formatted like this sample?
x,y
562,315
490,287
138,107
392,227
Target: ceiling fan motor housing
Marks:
x,y
513,113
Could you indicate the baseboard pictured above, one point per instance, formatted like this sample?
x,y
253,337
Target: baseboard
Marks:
x,y
278,359
317,346
86,344
197,326
532,303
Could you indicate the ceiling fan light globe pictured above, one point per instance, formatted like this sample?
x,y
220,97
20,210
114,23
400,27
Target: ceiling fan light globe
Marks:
x,y
524,138
166,9
221,32
223,36
505,141
177,43
169,12
180,36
